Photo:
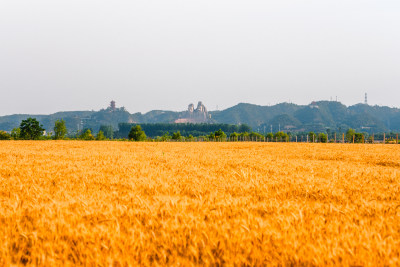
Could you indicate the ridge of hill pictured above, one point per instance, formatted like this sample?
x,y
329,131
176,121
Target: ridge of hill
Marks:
x,y
320,116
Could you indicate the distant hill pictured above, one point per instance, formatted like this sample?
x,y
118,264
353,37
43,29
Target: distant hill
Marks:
x,y
252,115
319,116
72,119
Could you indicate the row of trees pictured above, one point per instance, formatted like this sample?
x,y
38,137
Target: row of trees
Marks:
x,y
31,129
137,134
154,130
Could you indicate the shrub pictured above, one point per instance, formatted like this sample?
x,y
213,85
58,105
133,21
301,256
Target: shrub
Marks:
x,y
100,136
220,135
4,135
176,136
15,133
281,137
312,137
137,134
322,138
87,135
233,136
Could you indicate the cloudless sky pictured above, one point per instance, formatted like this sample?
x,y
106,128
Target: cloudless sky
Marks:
x,y
147,54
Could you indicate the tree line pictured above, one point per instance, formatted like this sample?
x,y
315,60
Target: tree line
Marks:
x,y
195,129
31,129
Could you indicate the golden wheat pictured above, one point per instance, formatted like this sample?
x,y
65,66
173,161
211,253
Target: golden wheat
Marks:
x,y
123,203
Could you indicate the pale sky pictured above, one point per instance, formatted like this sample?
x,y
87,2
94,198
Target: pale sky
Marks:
x,y
78,55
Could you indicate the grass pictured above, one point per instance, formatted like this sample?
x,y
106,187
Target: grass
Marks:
x,y
120,203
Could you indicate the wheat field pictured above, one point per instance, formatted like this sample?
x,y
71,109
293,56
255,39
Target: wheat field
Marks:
x,y
127,204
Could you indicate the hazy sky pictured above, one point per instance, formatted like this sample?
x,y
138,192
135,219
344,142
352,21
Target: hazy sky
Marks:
x,y
78,55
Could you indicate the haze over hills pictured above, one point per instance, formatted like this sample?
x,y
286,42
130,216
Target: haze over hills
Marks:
x,y
320,116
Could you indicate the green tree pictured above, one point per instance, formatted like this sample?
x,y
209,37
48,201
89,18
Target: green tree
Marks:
x,y
312,137
211,136
358,138
31,129
281,137
233,136
15,133
256,136
270,136
165,137
100,136
49,136
60,130
322,138
189,138
107,131
220,135
244,136
137,134
87,135
349,135
176,136
4,135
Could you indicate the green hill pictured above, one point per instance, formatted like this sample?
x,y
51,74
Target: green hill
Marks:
x,y
318,116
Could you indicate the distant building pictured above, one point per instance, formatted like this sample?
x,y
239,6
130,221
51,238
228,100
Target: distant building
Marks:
x,y
191,108
289,127
201,108
192,115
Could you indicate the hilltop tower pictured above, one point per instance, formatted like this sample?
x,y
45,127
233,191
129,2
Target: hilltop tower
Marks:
x,y
112,105
366,99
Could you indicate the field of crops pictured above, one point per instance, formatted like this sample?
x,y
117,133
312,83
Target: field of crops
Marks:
x,y
125,203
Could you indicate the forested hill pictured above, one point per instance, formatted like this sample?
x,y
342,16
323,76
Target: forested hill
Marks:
x,y
318,116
